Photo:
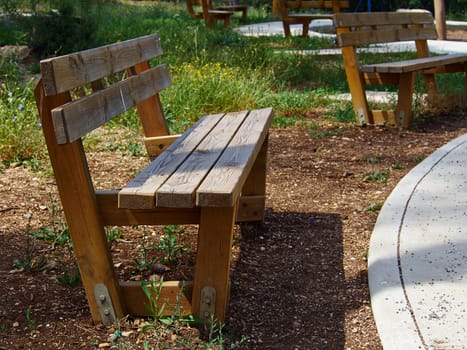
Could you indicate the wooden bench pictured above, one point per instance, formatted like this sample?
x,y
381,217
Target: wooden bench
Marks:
x,y
362,29
213,175
205,9
292,12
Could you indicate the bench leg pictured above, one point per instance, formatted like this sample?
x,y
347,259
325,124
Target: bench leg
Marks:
x,y
356,86
211,283
286,29
244,15
306,29
404,100
84,221
251,207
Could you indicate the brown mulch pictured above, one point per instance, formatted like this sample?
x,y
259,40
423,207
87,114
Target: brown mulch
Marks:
x,y
299,280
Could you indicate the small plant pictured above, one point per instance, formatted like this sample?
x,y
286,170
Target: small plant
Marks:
x,y
156,308
372,160
397,165
57,232
30,321
114,234
344,114
374,207
316,131
30,263
144,262
364,254
69,277
217,339
171,247
135,149
377,176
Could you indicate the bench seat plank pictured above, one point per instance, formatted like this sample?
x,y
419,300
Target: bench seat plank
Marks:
x,y
222,186
140,192
179,190
415,64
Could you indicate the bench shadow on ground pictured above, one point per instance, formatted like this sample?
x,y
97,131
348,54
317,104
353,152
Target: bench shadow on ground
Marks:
x,y
288,286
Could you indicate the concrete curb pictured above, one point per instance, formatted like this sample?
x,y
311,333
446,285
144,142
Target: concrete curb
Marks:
x,y
417,266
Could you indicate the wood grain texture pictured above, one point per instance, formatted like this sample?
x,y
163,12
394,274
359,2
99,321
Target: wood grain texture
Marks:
x,y
140,192
75,119
67,72
213,258
361,19
415,64
80,207
224,182
180,189
174,294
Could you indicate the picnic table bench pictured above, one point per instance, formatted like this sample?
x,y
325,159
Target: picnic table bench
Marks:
x,y
210,12
362,29
297,12
212,175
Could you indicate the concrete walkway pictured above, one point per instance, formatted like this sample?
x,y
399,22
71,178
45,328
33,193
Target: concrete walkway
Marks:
x,y
417,262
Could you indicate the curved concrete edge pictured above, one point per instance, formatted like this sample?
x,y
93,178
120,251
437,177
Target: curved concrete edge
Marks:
x,y
394,319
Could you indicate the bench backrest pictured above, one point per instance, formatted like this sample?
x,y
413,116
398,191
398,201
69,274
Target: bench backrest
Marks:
x,y
86,71
334,5
360,29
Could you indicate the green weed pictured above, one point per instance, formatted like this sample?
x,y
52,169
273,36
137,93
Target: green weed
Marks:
x,y
377,176
30,262
145,261
170,245
156,308
217,338
70,276
374,207
30,321
372,160
397,165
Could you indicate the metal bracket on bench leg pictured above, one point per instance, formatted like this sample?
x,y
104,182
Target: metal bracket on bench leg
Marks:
x,y
104,303
361,117
401,119
207,303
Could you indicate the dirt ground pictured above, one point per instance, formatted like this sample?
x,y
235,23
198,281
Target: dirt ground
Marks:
x,y
298,281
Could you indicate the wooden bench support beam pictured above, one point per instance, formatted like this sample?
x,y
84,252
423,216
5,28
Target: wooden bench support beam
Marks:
x,y
404,99
174,297
158,144
80,208
250,208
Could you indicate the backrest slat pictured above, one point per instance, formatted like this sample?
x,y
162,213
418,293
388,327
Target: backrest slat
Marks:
x,y
87,66
363,19
316,4
75,119
383,36
370,28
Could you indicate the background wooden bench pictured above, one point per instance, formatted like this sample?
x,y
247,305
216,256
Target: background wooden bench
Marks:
x,y
212,12
362,29
297,12
212,175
